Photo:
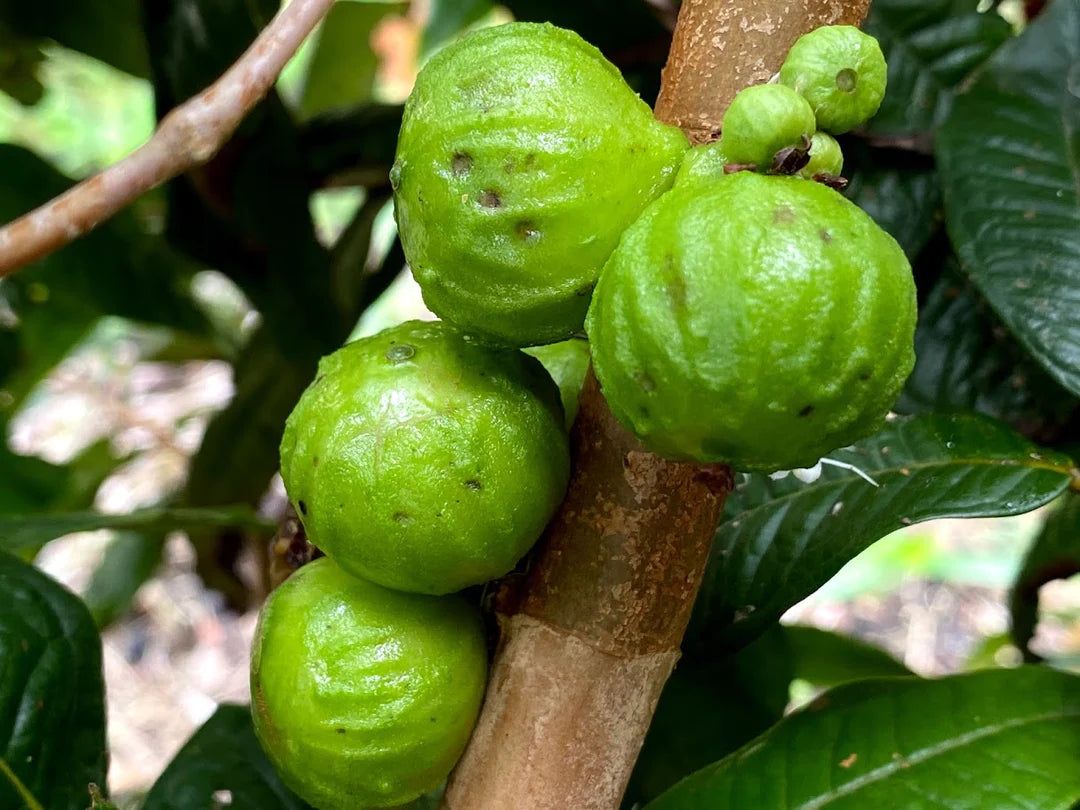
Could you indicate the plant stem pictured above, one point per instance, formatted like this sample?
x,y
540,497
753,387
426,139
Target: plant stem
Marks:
x,y
187,137
592,635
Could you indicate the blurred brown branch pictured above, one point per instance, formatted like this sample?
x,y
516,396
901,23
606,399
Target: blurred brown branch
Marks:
x,y
187,137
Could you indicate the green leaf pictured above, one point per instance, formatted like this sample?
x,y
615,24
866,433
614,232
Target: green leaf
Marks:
x,y
931,47
52,712
130,559
710,708
829,659
1055,554
223,755
966,360
898,189
1010,164
783,539
19,532
341,72
447,19
109,30
992,739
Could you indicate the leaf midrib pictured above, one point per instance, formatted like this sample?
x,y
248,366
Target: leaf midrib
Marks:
x,y
927,753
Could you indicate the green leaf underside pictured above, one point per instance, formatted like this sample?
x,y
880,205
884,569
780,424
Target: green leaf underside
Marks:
x,y
1010,163
52,714
222,755
19,532
783,539
992,740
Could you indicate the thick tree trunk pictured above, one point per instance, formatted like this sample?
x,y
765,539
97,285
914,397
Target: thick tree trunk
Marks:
x,y
592,634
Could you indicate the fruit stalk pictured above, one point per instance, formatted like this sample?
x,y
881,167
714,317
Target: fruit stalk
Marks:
x,y
591,634
721,47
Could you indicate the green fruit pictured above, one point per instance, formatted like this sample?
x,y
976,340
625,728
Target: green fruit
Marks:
x,y
826,157
523,156
363,696
842,73
763,120
705,162
423,461
759,321
567,363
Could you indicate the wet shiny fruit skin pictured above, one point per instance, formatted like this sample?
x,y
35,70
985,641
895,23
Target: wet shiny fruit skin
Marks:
x,y
523,155
761,121
842,73
757,321
424,461
363,696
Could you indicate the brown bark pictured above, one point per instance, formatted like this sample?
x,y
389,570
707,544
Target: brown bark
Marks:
x,y
591,637
721,47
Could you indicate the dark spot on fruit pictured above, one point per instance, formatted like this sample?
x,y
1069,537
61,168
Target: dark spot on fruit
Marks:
x,y
646,382
809,409
847,80
400,352
402,518
530,160
865,374
339,730
490,199
527,231
315,461
826,237
302,506
461,164
473,484
783,213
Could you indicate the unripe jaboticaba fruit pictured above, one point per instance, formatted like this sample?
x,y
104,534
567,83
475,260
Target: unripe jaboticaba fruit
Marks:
x,y
362,696
842,73
424,461
826,157
523,156
762,120
759,321
704,162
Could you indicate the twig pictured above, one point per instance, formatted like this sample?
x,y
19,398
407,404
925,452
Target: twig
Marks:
x,y
188,136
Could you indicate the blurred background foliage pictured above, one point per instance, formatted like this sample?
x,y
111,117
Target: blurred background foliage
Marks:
x,y
146,370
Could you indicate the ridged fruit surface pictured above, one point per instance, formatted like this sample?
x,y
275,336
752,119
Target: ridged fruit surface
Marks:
x,y
523,155
758,321
842,73
763,120
363,696
424,461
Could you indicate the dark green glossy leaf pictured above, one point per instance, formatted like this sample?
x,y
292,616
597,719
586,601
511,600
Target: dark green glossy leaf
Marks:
x,y
710,708
52,712
1010,164
992,739
357,147
783,539
898,189
130,559
1055,554
829,659
109,30
27,531
223,755
341,72
967,360
931,47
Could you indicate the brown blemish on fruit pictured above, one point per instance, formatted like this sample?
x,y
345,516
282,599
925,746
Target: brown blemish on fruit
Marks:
x,y
402,518
783,214
490,199
314,461
809,409
473,484
527,231
826,237
461,164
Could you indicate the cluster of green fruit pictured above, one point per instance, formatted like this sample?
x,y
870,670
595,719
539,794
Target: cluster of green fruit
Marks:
x,y
736,310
